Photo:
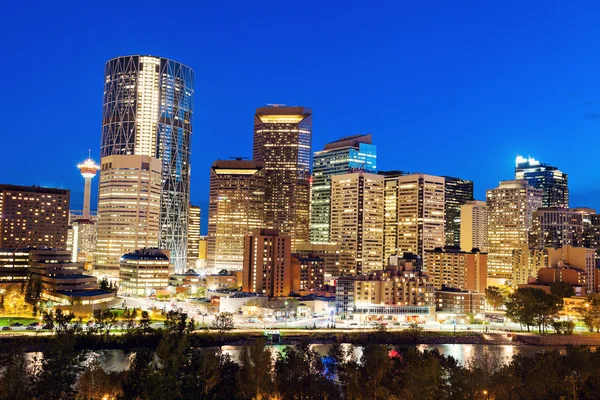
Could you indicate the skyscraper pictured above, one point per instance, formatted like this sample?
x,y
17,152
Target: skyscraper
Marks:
x,y
128,208
474,226
457,192
147,111
235,210
33,216
552,182
556,227
510,211
282,142
390,215
193,236
357,207
421,212
339,157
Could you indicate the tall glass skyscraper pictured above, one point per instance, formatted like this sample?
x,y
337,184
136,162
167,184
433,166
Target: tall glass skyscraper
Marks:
x,y
458,192
554,183
282,142
147,111
352,153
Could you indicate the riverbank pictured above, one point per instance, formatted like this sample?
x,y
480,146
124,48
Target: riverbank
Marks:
x,y
132,340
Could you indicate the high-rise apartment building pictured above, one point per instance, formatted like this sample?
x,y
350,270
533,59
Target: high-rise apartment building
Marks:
x,y
267,263
282,142
452,268
128,208
193,236
552,182
33,216
147,111
474,226
421,213
235,210
357,207
390,215
348,154
556,227
457,192
510,213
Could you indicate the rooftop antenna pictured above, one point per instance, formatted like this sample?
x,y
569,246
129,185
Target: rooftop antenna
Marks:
x,y
238,158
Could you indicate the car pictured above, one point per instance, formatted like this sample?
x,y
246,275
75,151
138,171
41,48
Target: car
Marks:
x,y
6,328
354,324
31,328
34,324
17,324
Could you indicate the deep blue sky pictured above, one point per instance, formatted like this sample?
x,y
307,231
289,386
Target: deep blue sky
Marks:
x,y
450,87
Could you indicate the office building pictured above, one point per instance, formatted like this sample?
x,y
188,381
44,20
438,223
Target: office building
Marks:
x,y
452,268
556,227
393,294
330,253
128,208
526,261
474,226
311,271
81,239
63,282
357,203
348,154
147,111
510,213
457,192
145,271
267,263
236,208
459,303
14,264
421,212
282,142
33,216
202,252
552,182
193,241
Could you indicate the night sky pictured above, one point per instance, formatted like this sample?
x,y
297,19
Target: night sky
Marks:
x,y
451,87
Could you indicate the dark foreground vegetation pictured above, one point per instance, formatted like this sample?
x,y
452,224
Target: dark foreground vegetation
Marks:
x,y
177,369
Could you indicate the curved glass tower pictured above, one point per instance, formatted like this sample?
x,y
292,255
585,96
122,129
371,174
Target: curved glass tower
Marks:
x,y
147,110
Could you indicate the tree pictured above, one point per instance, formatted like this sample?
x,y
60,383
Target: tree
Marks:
x,y
104,285
494,297
33,293
256,370
104,319
532,307
15,379
223,322
59,321
562,290
95,383
589,312
14,302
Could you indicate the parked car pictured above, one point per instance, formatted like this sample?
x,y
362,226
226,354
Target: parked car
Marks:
x,y
6,328
34,324
354,324
17,324
31,328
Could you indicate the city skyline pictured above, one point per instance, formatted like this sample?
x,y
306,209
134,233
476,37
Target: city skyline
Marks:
x,y
491,86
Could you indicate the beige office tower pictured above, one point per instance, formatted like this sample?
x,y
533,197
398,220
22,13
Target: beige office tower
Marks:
x,y
357,206
452,268
236,208
526,262
128,208
474,226
282,141
193,240
510,209
390,213
576,257
420,213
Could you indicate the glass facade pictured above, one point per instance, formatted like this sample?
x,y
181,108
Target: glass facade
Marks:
x,y
147,110
458,192
552,182
340,157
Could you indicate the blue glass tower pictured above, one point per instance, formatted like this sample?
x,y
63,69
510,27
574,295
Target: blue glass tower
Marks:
x,y
342,156
147,110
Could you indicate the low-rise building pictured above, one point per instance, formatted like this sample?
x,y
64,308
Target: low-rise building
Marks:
x,y
526,262
459,303
144,271
63,281
393,294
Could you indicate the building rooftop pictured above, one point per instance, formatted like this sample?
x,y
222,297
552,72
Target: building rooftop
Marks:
x,y
84,293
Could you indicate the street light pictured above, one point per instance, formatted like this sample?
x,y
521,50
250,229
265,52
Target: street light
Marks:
x,y
286,303
486,394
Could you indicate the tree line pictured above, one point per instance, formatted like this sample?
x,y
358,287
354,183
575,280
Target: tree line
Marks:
x,y
180,370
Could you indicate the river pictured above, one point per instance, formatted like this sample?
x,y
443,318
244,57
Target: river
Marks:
x,y
465,354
